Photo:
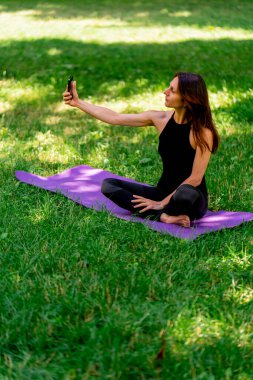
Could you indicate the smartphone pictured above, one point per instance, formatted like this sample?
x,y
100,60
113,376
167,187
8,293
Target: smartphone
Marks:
x,y
70,79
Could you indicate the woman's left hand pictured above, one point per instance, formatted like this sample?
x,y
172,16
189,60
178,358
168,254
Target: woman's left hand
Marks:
x,y
148,204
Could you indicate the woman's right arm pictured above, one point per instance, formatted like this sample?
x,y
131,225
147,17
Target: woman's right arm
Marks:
x,y
108,116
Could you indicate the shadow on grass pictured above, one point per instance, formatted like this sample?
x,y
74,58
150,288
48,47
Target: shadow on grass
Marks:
x,y
119,72
142,12
99,67
113,72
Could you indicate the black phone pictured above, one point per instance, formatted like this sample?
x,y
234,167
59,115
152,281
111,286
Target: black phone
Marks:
x,y
70,79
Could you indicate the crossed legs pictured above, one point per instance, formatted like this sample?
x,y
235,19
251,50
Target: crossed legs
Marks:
x,y
188,203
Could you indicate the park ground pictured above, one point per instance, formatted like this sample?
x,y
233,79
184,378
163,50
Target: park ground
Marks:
x,y
84,295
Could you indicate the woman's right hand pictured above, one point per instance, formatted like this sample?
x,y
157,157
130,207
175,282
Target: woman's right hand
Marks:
x,y
71,98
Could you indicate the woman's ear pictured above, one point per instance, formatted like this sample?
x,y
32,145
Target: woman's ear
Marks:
x,y
185,103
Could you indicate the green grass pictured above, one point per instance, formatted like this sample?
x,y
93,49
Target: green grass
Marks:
x,y
85,295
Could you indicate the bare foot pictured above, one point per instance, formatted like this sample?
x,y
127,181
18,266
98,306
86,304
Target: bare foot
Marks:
x,y
181,220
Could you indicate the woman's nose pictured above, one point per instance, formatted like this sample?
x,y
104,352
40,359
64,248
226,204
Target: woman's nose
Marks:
x,y
166,92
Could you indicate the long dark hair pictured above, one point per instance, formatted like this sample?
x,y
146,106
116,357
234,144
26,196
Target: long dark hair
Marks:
x,y
194,93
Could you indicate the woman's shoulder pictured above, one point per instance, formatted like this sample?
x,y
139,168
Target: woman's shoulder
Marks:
x,y
162,118
207,134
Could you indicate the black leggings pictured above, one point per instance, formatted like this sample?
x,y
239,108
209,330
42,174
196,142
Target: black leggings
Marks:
x,y
187,200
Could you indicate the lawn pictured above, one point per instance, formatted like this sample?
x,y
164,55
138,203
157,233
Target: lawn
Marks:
x,y
84,295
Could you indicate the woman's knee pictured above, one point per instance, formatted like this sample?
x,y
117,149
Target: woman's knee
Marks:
x,y
108,185
191,201
186,194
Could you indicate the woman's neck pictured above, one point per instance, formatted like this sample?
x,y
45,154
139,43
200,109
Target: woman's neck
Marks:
x,y
180,116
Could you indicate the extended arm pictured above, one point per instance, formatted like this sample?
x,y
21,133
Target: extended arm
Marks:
x,y
114,118
108,116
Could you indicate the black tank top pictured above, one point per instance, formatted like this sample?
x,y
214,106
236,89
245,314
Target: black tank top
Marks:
x,y
177,156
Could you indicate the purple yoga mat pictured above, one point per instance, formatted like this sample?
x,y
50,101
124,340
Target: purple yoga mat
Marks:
x,y
82,184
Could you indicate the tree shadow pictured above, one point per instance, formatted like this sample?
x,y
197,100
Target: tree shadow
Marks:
x,y
121,70
141,12
126,71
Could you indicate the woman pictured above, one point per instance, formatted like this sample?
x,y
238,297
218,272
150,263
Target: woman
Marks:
x,y
187,137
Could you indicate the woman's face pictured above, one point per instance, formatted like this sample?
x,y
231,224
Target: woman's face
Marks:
x,y
173,99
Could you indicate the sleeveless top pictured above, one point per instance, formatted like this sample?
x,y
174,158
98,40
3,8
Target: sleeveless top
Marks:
x,y
177,157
